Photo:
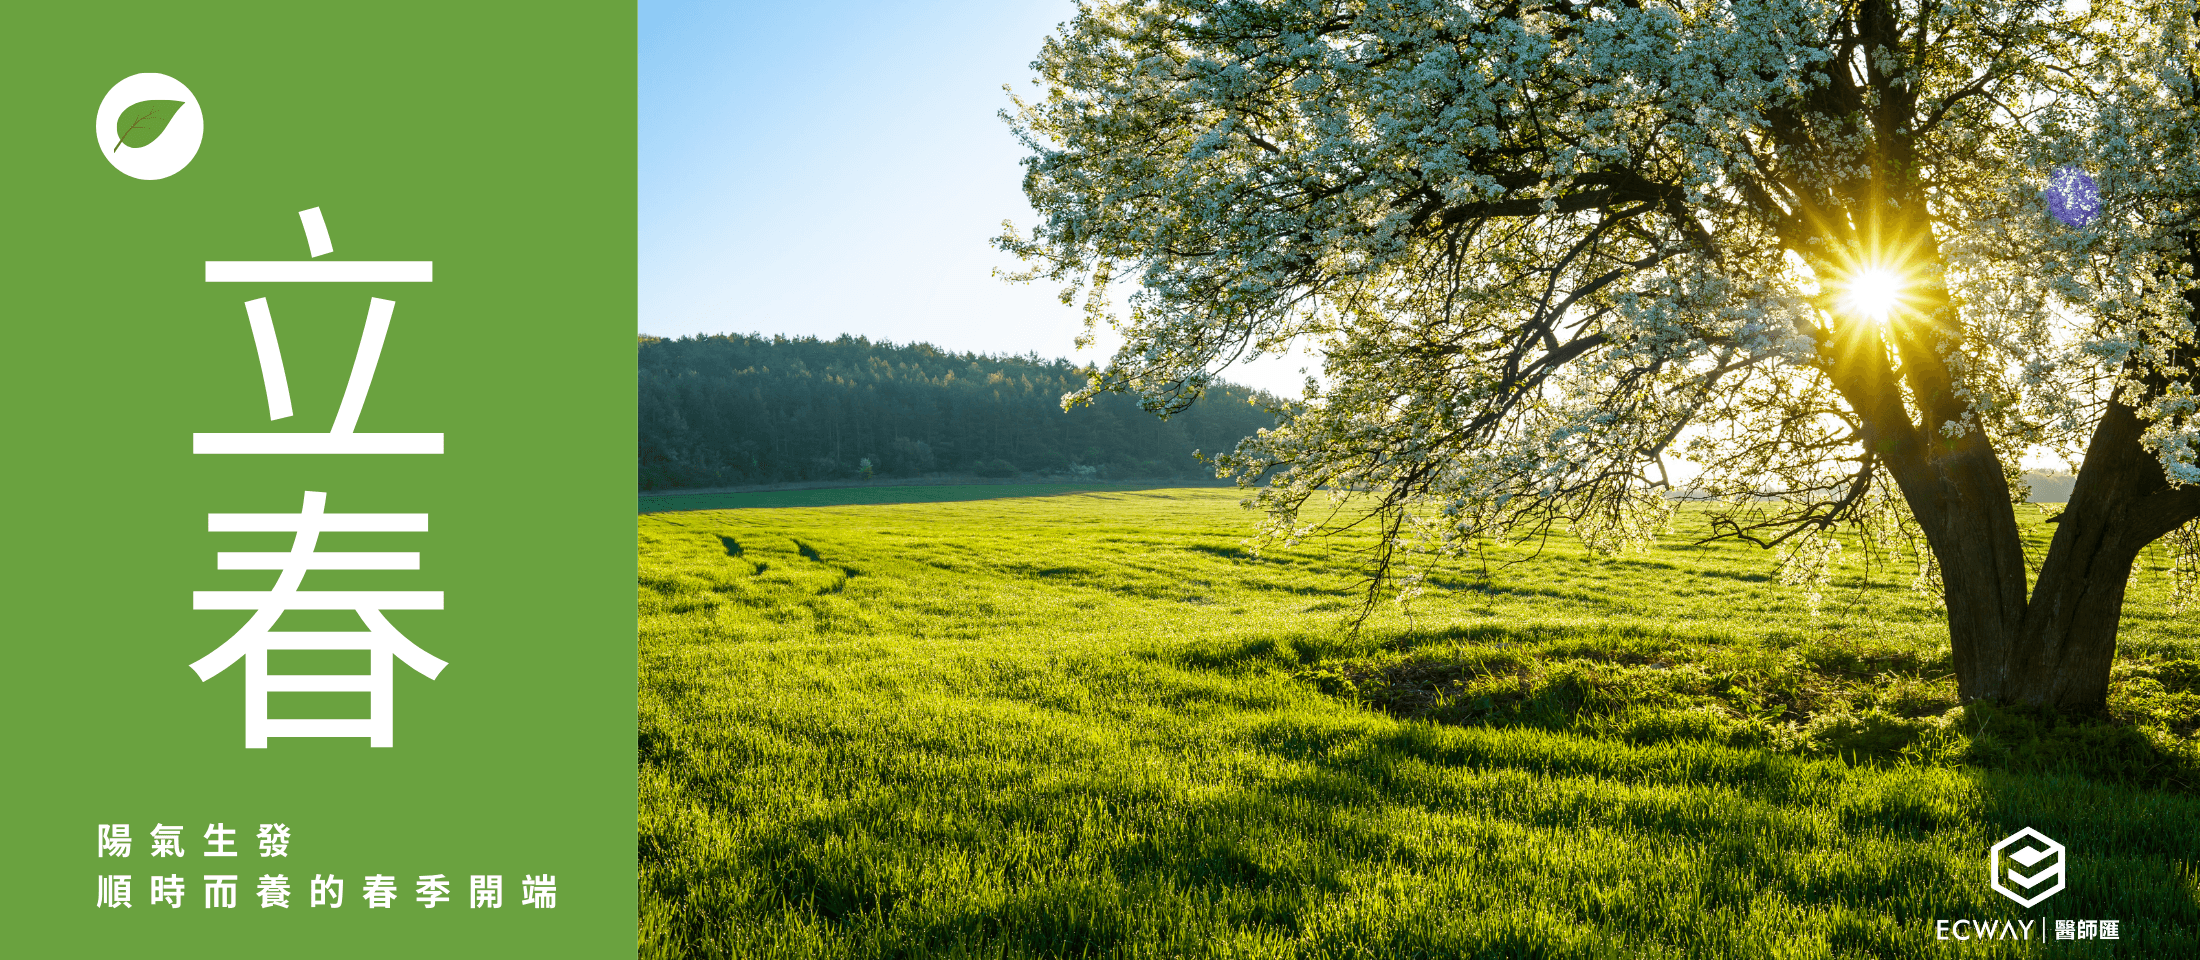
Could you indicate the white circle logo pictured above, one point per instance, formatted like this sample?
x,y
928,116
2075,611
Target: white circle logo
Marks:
x,y
149,126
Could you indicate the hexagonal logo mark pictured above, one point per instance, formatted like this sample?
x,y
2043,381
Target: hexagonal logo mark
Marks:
x,y
2015,867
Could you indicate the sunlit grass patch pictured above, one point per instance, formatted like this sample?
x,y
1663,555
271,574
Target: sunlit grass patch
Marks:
x,y
1093,726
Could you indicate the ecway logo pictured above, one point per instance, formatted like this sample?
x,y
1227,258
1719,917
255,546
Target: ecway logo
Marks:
x,y
149,126
2015,865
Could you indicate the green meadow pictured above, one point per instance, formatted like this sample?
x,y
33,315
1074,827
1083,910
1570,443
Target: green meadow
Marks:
x,y
1095,725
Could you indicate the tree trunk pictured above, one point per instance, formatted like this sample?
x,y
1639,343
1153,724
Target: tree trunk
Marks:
x,y
1961,501
2121,502
2054,648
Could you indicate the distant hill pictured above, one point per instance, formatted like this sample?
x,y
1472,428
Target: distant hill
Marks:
x,y
2049,487
749,409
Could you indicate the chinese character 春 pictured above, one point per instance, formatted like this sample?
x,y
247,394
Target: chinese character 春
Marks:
x,y
2108,930
2089,929
489,891
274,840
169,888
114,891
327,891
252,641
274,891
167,840
221,891
218,835
433,889
539,891
378,891
114,839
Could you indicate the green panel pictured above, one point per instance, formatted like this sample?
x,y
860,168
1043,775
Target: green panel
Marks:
x,y
316,705
495,142
322,662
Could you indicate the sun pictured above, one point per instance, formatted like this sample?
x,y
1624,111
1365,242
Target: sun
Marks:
x,y
1873,292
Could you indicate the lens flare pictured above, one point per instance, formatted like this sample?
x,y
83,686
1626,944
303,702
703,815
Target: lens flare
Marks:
x,y
1873,292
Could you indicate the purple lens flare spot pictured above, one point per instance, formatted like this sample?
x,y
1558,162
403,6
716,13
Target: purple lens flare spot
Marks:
x,y
2072,197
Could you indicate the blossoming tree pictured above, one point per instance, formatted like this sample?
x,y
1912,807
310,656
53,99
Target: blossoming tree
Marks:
x,y
1552,251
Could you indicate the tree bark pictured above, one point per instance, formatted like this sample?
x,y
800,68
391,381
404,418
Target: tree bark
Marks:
x,y
1961,500
2052,648
2121,502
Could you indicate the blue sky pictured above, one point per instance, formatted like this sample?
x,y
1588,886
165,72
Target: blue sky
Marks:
x,y
821,173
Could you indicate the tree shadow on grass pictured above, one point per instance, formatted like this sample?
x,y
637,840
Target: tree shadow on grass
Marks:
x,y
1315,646
1096,892
1098,863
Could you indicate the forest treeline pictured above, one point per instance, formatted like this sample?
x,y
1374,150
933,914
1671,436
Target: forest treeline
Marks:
x,y
744,409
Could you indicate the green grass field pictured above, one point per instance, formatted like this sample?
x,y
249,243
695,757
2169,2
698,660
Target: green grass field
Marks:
x,y
1092,726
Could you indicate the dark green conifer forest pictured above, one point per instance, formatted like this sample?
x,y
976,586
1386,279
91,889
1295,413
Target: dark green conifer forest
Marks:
x,y
736,409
